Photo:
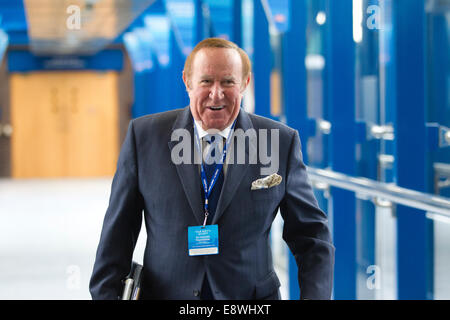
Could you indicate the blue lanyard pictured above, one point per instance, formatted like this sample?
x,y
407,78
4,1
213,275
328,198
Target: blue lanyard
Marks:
x,y
207,187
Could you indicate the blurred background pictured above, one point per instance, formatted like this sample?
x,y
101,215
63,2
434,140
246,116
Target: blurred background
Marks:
x,y
365,82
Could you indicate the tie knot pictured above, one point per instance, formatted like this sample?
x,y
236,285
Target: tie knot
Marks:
x,y
211,138
213,148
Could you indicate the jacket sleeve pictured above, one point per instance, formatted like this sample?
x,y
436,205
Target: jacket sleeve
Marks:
x,y
121,226
306,230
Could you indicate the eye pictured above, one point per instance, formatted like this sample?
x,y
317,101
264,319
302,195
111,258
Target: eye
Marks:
x,y
205,81
228,82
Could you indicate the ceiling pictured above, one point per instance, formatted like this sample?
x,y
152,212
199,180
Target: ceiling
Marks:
x,y
81,27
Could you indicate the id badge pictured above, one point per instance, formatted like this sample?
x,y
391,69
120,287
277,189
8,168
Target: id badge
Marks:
x,y
203,240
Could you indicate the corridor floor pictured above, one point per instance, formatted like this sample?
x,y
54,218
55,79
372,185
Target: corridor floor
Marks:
x,y
50,228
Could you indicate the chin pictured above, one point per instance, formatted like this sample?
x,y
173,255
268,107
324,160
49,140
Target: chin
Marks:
x,y
217,121
215,125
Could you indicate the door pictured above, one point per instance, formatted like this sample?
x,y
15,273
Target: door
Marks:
x,y
65,124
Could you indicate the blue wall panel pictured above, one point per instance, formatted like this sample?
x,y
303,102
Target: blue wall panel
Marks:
x,y
262,60
341,99
410,148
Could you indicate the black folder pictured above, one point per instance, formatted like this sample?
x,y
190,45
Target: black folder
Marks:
x,y
132,283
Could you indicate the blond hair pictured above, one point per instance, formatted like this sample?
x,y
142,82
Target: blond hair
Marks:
x,y
217,43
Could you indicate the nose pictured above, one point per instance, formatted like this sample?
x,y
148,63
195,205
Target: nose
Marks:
x,y
216,92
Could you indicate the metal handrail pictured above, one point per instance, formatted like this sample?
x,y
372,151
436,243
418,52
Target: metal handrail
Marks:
x,y
380,190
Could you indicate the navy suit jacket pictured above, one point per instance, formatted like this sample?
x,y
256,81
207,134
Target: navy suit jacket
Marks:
x,y
148,184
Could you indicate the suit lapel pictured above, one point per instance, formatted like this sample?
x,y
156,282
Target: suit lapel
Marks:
x,y
188,173
235,172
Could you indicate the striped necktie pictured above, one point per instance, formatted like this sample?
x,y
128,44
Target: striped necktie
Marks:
x,y
213,141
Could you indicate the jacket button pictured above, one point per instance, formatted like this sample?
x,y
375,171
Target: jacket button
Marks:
x,y
196,293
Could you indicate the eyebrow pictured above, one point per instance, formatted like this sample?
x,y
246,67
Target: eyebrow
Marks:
x,y
208,77
229,78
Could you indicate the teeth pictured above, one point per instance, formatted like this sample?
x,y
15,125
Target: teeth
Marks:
x,y
216,107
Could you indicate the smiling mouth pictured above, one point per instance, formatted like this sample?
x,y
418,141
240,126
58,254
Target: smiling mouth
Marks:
x,y
216,108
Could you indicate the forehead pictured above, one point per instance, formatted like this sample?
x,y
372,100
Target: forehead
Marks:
x,y
212,61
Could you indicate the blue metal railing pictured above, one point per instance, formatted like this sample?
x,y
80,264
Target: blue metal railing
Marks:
x,y
387,191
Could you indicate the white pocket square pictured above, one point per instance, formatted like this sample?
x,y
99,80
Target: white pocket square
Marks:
x,y
267,182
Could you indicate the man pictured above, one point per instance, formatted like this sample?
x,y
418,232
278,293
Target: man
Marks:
x,y
208,233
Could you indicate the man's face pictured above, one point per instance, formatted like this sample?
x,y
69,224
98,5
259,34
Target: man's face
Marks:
x,y
216,87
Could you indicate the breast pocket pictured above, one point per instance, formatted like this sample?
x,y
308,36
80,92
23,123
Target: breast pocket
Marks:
x,y
265,194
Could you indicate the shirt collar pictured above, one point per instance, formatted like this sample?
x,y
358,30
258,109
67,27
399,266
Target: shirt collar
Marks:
x,y
202,133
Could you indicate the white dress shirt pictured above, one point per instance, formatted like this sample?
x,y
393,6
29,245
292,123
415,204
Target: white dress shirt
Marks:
x,y
205,145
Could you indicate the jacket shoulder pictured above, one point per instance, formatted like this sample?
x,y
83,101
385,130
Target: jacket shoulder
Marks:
x,y
154,127
260,122
164,119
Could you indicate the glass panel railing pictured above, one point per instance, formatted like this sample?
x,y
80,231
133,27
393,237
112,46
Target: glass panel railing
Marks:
x,y
376,231
441,254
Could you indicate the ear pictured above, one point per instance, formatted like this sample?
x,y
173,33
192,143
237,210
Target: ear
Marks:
x,y
246,83
186,82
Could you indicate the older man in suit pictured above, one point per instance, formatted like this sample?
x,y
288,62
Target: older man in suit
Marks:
x,y
208,220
